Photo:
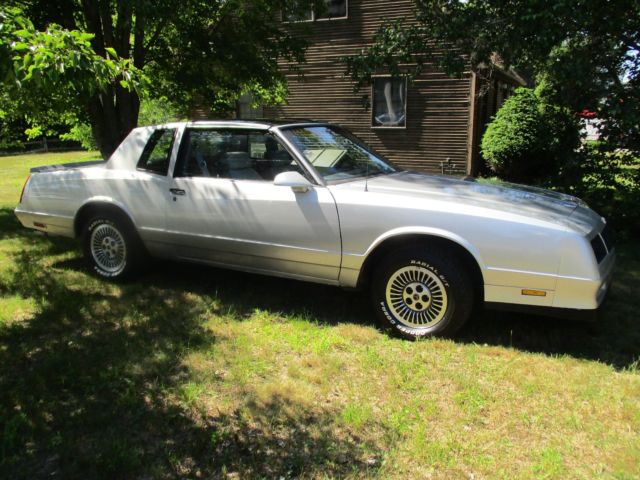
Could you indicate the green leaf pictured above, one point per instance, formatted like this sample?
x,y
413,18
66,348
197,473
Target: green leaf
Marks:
x,y
19,46
22,33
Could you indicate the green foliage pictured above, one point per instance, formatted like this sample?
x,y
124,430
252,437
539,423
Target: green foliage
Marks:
x,y
229,50
529,139
11,126
608,179
57,58
50,75
532,141
81,133
152,112
587,52
95,60
157,110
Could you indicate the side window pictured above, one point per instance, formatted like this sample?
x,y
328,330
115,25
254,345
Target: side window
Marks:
x,y
233,154
156,154
199,153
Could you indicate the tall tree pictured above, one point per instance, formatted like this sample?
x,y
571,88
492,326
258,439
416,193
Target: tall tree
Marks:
x,y
586,51
106,51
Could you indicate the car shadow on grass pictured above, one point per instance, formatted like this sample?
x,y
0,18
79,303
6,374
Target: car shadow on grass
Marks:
x,y
243,293
89,381
613,339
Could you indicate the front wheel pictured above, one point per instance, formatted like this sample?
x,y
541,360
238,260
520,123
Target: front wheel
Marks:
x,y
422,292
111,248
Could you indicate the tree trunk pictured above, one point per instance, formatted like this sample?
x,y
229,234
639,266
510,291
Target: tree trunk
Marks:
x,y
113,114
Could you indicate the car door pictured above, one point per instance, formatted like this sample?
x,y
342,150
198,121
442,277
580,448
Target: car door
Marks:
x,y
224,208
145,191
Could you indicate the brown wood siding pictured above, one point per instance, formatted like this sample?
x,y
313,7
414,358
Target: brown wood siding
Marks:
x,y
438,109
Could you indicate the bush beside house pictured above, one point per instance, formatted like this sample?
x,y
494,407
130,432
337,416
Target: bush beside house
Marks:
x,y
533,141
529,139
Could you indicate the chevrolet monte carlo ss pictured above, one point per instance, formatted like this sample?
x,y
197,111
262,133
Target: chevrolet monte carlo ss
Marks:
x,y
311,202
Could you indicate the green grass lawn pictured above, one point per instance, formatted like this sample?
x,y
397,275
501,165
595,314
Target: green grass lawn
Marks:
x,y
193,372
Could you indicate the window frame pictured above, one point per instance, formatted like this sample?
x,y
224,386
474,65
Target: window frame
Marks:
x,y
373,103
180,157
169,152
315,19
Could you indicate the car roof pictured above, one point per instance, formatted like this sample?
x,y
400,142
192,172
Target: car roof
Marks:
x,y
260,124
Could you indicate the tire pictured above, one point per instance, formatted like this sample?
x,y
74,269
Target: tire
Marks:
x,y
422,292
111,247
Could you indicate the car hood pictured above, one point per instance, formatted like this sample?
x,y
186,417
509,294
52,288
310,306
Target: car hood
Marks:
x,y
518,199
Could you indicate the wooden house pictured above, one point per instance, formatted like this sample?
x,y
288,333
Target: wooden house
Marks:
x,y
433,124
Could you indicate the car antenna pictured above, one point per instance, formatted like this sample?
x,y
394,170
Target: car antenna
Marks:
x,y
366,178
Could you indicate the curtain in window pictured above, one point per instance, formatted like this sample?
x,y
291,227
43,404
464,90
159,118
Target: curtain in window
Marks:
x,y
389,102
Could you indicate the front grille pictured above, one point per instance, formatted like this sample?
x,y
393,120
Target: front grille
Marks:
x,y
608,237
599,248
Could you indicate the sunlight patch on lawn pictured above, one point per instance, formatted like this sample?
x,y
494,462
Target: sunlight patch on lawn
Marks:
x,y
15,309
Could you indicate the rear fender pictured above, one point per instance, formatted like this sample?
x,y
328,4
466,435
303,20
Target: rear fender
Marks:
x,y
95,204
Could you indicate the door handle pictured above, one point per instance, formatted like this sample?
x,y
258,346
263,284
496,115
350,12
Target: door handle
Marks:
x,y
177,191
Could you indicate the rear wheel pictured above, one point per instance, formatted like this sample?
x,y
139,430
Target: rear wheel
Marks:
x,y
111,247
422,292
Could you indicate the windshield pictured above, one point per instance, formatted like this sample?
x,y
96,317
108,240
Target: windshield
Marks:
x,y
335,154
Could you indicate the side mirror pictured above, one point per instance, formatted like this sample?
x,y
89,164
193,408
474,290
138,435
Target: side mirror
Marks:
x,y
296,181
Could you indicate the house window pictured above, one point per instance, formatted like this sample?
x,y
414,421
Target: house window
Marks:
x,y
389,102
332,9
327,10
299,15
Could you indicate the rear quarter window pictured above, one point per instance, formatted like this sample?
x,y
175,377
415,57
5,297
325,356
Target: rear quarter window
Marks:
x,y
157,152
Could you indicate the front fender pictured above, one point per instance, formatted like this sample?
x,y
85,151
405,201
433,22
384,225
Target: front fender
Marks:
x,y
427,232
353,264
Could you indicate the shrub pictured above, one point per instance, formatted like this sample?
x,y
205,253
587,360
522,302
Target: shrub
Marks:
x,y
533,141
529,139
608,179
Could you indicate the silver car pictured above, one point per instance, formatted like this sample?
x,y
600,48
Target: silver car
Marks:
x,y
309,201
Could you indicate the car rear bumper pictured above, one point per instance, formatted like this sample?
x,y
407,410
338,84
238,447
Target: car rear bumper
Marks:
x,y
53,224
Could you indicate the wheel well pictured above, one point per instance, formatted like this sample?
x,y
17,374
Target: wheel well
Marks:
x,y
91,209
403,241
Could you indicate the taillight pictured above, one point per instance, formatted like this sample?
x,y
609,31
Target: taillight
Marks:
x,y
23,187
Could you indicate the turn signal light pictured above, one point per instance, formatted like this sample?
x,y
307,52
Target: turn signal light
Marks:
x,y
23,187
534,293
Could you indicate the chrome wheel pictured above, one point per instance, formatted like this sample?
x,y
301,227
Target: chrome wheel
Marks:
x,y
416,297
108,248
